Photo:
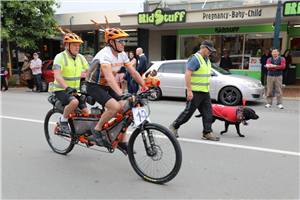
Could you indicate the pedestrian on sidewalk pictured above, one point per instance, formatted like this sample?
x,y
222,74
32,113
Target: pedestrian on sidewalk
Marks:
x,y
226,62
275,66
264,70
36,67
27,71
197,77
3,74
288,63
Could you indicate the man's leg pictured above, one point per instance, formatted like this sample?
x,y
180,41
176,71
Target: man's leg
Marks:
x,y
263,74
39,79
206,111
278,89
191,106
113,108
35,82
270,89
70,108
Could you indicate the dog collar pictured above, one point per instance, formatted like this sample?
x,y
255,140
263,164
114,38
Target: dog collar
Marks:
x,y
240,116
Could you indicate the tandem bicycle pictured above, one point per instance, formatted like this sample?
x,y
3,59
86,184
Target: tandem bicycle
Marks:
x,y
157,157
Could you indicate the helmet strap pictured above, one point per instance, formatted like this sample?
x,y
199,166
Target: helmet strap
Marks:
x,y
115,48
69,50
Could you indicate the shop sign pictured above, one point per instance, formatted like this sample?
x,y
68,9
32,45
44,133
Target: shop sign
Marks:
x,y
291,8
158,17
227,29
255,63
233,14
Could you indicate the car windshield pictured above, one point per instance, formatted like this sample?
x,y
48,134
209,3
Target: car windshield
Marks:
x,y
219,69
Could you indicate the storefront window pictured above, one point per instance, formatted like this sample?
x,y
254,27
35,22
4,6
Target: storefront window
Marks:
x,y
295,47
190,44
255,46
231,44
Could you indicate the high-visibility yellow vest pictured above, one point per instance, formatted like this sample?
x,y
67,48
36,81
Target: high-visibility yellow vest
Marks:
x,y
200,78
71,69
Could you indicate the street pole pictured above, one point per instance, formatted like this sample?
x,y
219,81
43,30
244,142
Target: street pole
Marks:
x,y
71,23
277,25
146,6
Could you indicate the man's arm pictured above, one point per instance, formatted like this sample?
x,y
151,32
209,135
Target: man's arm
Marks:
x,y
135,75
282,64
38,66
58,77
188,75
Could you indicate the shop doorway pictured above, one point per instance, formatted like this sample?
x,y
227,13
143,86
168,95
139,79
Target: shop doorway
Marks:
x,y
168,47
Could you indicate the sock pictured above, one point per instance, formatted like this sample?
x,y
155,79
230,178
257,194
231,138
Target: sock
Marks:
x,y
62,119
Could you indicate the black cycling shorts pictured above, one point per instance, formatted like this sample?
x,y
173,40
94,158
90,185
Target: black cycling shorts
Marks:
x,y
101,94
66,98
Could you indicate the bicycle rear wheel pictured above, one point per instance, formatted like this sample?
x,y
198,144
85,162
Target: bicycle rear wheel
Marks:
x,y
59,142
158,158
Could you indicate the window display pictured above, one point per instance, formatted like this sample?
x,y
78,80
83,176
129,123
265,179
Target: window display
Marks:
x,y
190,44
295,47
244,50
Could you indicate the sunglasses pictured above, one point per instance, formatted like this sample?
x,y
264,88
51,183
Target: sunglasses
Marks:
x,y
122,41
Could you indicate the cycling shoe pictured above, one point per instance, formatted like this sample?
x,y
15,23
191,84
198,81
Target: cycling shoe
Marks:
x,y
97,137
124,147
101,138
64,127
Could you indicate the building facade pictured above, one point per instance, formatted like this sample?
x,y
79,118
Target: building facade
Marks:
x,y
244,29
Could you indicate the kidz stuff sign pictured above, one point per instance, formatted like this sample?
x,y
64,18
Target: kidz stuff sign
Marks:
x,y
291,8
158,17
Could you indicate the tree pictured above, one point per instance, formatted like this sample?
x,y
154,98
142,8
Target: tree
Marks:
x,y
25,22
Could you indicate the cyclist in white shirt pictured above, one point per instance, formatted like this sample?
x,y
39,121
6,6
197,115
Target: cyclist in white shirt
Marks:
x,y
101,82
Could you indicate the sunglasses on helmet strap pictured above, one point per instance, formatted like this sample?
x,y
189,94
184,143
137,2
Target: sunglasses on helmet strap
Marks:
x,y
122,41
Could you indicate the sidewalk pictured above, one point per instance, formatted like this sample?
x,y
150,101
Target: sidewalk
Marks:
x,y
290,91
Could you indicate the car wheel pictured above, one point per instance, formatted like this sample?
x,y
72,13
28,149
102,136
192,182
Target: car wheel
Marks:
x,y
158,94
230,96
44,85
83,86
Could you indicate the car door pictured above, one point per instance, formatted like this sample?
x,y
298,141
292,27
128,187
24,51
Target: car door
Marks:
x,y
212,83
171,77
47,72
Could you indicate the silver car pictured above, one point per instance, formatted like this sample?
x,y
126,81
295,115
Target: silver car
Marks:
x,y
226,88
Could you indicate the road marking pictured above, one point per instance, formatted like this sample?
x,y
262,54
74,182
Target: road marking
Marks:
x,y
192,140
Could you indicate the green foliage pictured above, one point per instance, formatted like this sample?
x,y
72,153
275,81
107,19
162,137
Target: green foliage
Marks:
x,y
25,22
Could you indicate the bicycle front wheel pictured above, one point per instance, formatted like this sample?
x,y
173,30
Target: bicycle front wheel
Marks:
x,y
158,154
59,142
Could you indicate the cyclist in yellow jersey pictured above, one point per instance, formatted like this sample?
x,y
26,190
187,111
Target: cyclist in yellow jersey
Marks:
x,y
101,82
67,67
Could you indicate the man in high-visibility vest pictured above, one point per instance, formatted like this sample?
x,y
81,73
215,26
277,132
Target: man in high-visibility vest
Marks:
x,y
197,77
67,68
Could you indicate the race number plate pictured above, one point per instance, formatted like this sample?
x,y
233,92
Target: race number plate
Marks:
x,y
140,115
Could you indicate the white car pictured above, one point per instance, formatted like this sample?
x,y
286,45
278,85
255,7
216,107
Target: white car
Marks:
x,y
226,88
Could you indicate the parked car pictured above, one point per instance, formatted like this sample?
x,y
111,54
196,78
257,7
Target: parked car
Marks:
x,y
48,76
228,89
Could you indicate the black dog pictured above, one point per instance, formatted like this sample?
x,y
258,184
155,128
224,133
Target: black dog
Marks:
x,y
232,115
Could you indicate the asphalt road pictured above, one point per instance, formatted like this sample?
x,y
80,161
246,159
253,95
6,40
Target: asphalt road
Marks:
x,y
263,165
